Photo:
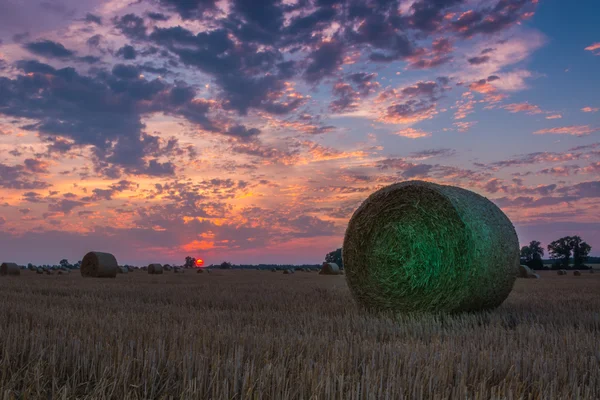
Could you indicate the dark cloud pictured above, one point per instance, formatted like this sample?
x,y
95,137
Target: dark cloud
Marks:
x,y
102,111
241,132
346,98
64,206
94,41
155,16
92,18
189,9
32,197
478,60
127,52
324,61
35,166
423,154
490,20
18,177
420,171
48,48
131,26
428,15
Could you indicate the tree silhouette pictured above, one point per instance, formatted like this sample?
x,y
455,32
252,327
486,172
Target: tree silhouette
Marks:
x,y
190,262
64,263
335,257
560,250
580,251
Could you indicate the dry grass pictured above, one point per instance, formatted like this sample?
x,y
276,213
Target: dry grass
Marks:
x,y
256,335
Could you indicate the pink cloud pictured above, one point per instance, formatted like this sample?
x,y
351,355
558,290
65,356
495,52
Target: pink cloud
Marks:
x,y
412,133
589,109
574,130
593,47
523,107
554,116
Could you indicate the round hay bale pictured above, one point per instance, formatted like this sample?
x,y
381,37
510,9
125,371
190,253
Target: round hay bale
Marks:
x,y
330,269
577,272
9,268
273,269
286,271
200,271
39,270
420,246
155,269
123,270
96,264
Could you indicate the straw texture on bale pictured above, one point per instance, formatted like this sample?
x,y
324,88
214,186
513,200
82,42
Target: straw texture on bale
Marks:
x,y
155,269
96,264
8,268
420,246
330,269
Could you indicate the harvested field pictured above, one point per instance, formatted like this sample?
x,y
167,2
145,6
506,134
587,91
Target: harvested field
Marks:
x,y
256,335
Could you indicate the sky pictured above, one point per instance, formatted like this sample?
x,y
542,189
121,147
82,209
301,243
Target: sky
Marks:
x,y
249,131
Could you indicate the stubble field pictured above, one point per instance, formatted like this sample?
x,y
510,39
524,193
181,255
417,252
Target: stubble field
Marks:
x,y
264,335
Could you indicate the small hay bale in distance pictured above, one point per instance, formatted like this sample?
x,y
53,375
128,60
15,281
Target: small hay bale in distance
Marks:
x,y
96,264
155,269
8,268
526,272
39,270
419,246
329,269
286,271
577,272
200,271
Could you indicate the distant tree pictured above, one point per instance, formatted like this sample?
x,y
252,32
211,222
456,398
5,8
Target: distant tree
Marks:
x,y
580,251
335,257
64,263
190,262
560,250
525,254
225,265
531,255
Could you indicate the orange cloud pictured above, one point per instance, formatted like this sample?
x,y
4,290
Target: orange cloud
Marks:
x,y
198,245
412,133
574,130
589,109
523,107
594,47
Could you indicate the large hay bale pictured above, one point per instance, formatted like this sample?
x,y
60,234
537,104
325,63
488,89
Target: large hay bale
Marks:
x,y
526,272
420,246
96,264
9,268
329,269
577,272
155,269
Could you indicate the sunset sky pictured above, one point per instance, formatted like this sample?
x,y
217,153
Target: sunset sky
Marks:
x,y
250,130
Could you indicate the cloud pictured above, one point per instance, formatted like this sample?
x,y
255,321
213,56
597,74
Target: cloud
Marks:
x,y
530,109
554,116
464,126
189,9
412,133
324,61
92,18
589,109
574,130
48,48
478,60
593,47
127,52
19,177
131,25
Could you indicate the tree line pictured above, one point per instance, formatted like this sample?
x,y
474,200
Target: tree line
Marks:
x,y
562,251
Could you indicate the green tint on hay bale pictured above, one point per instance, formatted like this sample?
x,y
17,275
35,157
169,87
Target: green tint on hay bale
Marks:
x,y
96,264
420,246
329,269
9,269
155,269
